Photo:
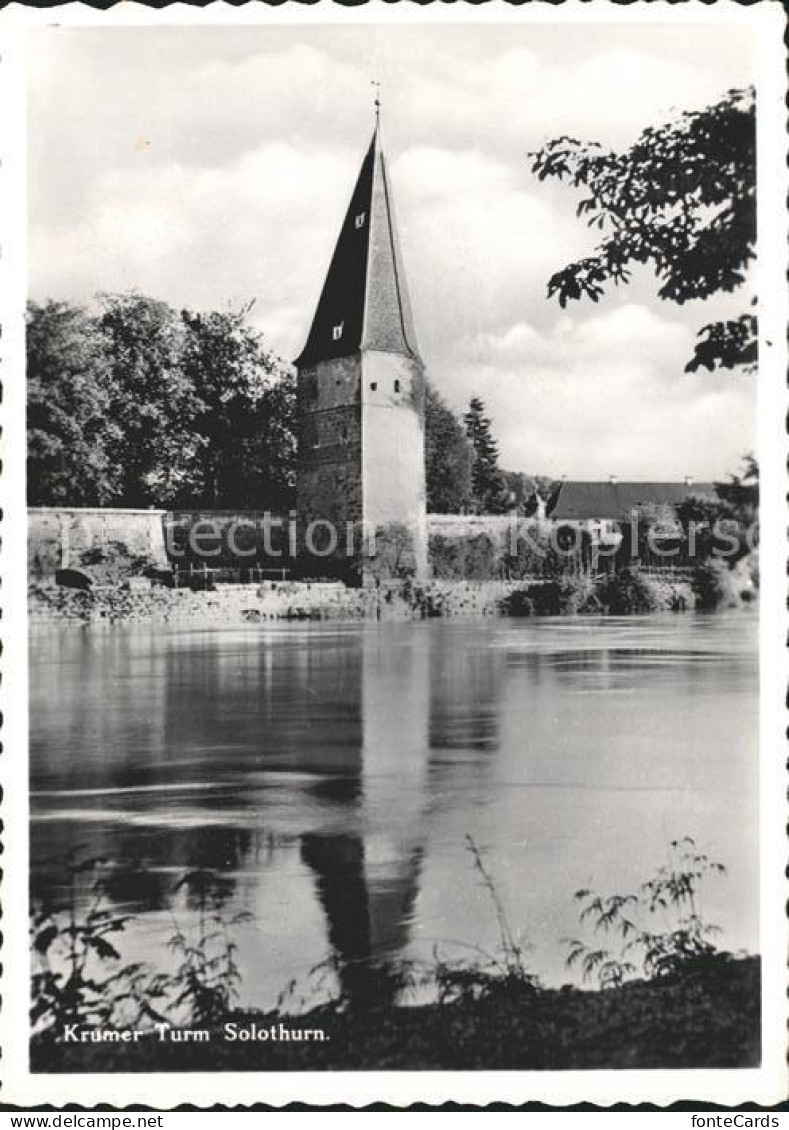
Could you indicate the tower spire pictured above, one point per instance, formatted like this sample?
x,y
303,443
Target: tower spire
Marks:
x,y
361,383
364,302
376,85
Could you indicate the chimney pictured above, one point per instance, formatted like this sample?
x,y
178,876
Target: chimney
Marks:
x,y
613,480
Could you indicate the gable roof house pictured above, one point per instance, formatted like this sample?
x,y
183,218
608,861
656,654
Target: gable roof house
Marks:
x,y
599,507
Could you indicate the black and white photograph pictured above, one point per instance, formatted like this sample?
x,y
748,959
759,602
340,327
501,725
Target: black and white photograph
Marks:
x,y
398,487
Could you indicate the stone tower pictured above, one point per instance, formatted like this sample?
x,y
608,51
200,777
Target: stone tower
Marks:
x,y
361,393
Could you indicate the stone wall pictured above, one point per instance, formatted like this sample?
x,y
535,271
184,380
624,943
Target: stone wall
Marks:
x,y
74,538
122,540
500,528
482,547
228,538
251,604
329,482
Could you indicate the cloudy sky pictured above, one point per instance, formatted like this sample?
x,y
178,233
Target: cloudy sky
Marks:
x,y
212,166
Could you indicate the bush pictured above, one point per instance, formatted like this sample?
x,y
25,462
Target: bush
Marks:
x,y
568,595
471,558
394,555
682,597
535,556
429,602
517,603
577,593
482,561
660,926
632,592
446,557
547,598
715,585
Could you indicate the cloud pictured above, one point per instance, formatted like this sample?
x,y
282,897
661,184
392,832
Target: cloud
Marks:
x,y
206,237
469,239
214,166
608,396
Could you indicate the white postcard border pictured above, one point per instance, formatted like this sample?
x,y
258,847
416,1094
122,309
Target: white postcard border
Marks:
x,y
766,1084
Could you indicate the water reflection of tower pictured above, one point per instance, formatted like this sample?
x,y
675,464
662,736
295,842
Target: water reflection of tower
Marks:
x,y
368,876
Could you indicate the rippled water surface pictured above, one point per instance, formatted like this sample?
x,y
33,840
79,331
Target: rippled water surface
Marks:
x,y
331,773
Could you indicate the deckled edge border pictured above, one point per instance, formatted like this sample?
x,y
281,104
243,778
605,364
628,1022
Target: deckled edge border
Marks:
x,y
12,327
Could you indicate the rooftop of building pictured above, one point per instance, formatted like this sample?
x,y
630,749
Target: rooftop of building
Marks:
x,y
576,500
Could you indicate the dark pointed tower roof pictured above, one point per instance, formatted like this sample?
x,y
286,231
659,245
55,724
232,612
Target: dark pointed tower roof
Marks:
x,y
364,303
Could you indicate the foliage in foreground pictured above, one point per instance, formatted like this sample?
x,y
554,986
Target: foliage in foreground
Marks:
x,y
673,897
79,977
683,200
673,1000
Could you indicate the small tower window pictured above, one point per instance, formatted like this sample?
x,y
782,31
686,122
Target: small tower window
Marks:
x,y
373,386
362,216
336,332
397,386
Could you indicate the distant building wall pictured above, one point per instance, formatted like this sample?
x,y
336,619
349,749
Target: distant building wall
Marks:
x,y
63,538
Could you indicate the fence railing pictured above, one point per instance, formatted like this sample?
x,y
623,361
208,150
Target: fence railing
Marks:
x,y
204,576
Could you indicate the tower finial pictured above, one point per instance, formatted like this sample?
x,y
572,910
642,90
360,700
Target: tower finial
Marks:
x,y
375,84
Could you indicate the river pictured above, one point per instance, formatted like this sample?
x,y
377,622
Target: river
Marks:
x,y
331,774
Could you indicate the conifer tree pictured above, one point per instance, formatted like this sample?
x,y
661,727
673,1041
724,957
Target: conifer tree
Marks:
x,y
448,457
487,480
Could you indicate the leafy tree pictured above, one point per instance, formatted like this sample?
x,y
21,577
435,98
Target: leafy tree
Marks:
x,y
139,404
520,486
150,399
243,404
266,463
682,198
394,552
741,492
448,457
710,526
487,479
525,489
70,432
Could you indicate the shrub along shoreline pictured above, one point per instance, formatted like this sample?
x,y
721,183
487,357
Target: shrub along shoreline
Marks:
x,y
634,591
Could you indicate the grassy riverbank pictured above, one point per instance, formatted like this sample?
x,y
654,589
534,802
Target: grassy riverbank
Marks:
x,y
702,1017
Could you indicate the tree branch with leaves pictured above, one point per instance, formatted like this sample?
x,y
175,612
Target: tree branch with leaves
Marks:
x,y
681,199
